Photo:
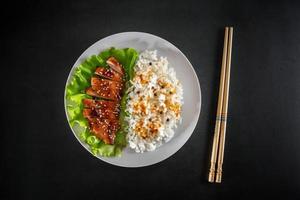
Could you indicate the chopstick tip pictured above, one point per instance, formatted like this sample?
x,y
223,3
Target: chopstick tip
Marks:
x,y
211,177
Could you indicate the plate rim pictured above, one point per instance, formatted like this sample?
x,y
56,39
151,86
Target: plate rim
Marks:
x,y
194,73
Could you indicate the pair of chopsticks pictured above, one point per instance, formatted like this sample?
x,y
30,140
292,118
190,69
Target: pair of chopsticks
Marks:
x,y
217,155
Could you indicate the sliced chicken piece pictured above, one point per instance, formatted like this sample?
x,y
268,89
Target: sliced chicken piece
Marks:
x,y
91,92
107,114
115,65
90,103
106,88
105,130
101,113
89,114
96,117
101,130
109,74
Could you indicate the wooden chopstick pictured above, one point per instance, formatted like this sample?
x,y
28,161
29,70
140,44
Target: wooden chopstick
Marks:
x,y
220,126
211,176
224,110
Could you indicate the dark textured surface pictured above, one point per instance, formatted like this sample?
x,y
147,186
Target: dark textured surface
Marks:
x,y
40,157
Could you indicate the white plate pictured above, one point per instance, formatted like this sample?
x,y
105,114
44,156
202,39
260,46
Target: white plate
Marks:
x,y
191,94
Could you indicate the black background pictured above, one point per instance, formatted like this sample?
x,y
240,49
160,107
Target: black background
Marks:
x,y
40,157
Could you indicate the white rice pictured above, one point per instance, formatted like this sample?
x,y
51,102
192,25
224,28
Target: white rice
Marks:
x,y
154,105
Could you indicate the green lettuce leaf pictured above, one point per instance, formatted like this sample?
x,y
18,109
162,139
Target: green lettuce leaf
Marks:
x,y
75,93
